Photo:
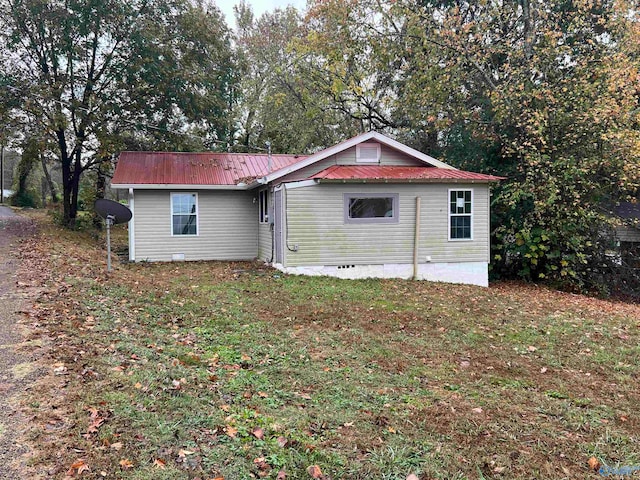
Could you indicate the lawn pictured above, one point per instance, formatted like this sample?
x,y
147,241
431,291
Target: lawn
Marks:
x,y
236,371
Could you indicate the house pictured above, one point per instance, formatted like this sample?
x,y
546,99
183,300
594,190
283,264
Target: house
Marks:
x,y
628,232
367,207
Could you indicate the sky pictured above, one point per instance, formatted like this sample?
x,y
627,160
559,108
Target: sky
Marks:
x,y
259,7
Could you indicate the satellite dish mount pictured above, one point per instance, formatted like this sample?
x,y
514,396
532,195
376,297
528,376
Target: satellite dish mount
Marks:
x,y
113,213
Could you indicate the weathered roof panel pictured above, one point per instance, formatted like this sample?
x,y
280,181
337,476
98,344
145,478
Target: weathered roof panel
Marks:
x,y
174,168
373,173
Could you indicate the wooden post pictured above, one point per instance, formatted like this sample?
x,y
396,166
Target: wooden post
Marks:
x,y
416,240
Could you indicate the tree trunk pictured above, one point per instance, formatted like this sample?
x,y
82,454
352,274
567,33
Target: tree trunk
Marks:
x,y
101,184
52,188
529,28
68,212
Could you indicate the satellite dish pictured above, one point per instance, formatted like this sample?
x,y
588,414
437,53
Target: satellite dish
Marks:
x,y
113,213
116,212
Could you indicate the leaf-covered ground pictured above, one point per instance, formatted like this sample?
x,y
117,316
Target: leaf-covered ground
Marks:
x,y
235,371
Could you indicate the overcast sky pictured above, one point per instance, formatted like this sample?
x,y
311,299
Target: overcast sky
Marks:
x,y
259,7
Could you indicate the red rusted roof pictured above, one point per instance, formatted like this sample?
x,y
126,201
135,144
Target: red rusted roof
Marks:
x,y
171,168
375,173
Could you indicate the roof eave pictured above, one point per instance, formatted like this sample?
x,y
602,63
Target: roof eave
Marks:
x,y
404,180
176,186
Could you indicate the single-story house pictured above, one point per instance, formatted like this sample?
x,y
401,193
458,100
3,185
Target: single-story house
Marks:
x,y
367,207
629,214
628,232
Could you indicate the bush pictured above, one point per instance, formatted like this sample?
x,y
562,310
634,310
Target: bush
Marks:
x,y
25,198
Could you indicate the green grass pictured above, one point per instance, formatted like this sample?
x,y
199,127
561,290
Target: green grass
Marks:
x,y
366,379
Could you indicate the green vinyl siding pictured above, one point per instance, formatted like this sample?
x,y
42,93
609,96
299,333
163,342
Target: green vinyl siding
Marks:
x,y
316,226
227,227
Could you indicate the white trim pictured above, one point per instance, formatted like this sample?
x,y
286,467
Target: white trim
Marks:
x,y
300,184
175,186
197,213
131,228
460,214
359,159
351,143
470,273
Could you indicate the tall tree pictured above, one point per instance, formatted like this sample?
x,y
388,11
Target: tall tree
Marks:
x,y
280,103
88,70
546,93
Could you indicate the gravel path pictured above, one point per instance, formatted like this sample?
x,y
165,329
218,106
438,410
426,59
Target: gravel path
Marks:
x,y
16,367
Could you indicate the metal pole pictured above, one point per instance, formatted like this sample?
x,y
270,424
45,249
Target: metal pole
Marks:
x,y
109,221
2,174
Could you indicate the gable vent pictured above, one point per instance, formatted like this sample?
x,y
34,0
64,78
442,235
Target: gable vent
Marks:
x,y
368,152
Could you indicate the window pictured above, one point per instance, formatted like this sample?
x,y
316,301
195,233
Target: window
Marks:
x,y
368,153
263,205
460,215
184,214
371,208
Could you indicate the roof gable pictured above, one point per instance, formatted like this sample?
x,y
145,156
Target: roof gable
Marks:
x,y
382,139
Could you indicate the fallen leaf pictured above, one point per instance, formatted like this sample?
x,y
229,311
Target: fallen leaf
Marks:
x,y
314,471
543,370
183,453
225,408
477,410
138,385
282,441
258,433
531,348
412,476
117,446
78,467
263,395
231,431
159,463
126,463
176,385
59,368
281,475
594,464
261,463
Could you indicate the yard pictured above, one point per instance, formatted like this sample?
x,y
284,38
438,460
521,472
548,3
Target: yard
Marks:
x,y
235,371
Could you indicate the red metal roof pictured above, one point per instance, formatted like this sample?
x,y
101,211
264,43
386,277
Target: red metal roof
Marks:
x,y
375,173
171,168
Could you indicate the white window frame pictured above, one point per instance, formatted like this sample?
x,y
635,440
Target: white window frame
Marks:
x,y
263,206
197,214
395,205
449,214
368,144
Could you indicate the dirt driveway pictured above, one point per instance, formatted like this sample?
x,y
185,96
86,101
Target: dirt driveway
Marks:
x,y
17,369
